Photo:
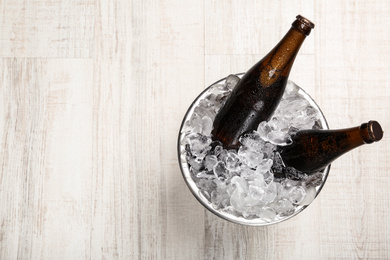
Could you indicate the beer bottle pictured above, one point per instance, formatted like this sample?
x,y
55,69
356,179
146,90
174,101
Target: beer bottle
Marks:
x,y
313,150
259,91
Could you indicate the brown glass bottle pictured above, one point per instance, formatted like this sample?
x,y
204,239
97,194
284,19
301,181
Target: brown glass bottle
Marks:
x,y
313,150
259,91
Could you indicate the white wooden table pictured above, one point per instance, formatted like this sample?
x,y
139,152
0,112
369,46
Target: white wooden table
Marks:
x,y
92,94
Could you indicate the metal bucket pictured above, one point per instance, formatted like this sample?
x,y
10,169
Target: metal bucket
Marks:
x,y
204,201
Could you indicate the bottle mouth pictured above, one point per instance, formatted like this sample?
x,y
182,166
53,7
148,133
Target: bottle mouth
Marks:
x,y
374,130
306,21
303,25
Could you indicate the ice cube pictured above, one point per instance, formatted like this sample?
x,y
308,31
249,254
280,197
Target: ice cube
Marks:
x,y
268,177
288,183
231,81
256,192
268,150
252,140
310,195
264,166
199,144
240,184
216,199
297,194
282,191
205,185
218,89
250,157
263,130
207,125
193,125
247,173
222,155
250,201
202,111
217,150
232,162
291,89
270,193
221,185
237,200
279,138
310,112
267,214
205,175
296,104
220,171
284,207
210,161
195,163
258,180
276,124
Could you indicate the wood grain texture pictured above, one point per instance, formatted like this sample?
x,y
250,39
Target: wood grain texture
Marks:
x,y
141,77
43,28
46,158
92,94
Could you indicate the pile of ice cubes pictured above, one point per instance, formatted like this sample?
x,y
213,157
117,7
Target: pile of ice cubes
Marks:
x,y
243,182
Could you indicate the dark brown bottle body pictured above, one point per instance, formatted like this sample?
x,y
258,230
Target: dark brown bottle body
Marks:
x,y
259,91
313,150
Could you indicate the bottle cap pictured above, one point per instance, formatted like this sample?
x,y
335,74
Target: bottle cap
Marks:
x,y
375,130
303,25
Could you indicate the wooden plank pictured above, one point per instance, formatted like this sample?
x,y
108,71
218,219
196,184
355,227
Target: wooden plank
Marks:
x,y
142,208
115,232
45,178
251,27
180,80
47,28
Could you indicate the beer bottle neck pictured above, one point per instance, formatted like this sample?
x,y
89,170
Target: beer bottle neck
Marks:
x,y
279,60
366,133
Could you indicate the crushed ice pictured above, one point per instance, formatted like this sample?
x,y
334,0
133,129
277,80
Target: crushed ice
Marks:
x,y
251,182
